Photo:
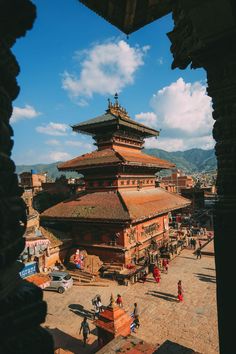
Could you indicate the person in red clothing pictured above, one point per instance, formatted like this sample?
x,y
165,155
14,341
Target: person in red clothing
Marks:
x,y
180,291
119,300
156,274
165,264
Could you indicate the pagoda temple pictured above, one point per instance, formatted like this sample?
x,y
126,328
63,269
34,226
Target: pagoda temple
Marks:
x,y
121,215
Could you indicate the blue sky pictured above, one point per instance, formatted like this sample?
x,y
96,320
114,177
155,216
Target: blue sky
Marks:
x,y
73,60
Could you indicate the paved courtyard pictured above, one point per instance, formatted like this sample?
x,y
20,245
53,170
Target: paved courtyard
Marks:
x,y
192,323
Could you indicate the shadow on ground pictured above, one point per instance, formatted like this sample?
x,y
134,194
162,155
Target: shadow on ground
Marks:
x,y
69,343
210,269
169,347
206,277
81,311
164,296
187,257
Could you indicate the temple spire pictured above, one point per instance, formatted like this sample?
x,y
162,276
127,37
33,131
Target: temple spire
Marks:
x,y
112,301
116,99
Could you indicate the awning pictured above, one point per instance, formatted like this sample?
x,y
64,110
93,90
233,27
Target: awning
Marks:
x,y
41,280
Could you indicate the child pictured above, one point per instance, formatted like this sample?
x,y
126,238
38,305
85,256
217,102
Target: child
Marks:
x,y
119,300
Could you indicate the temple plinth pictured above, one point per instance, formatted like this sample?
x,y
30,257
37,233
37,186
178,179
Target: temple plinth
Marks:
x,y
112,322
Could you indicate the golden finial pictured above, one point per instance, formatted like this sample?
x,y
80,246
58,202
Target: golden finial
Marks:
x,y
116,99
112,301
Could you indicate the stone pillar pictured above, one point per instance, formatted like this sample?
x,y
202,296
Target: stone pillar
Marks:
x,y
21,306
204,35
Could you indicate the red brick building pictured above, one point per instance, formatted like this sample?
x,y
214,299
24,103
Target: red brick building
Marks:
x,y
32,180
121,215
178,180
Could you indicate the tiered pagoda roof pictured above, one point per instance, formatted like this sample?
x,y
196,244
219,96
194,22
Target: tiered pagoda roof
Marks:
x,y
120,206
112,157
124,191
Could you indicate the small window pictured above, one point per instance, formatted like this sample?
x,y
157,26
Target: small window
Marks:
x,y
133,182
122,183
128,182
67,277
54,278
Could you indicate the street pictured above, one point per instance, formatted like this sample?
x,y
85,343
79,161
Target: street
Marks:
x,y
192,323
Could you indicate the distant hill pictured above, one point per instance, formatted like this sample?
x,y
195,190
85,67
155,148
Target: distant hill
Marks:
x,y
194,160
50,168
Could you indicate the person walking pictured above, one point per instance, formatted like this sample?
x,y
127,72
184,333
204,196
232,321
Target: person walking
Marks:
x,y
144,277
165,265
99,304
119,300
136,315
180,291
85,329
156,274
199,253
96,309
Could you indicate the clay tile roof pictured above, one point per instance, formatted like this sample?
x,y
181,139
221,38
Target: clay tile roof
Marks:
x,y
101,157
150,202
102,206
104,118
144,159
54,236
110,156
117,207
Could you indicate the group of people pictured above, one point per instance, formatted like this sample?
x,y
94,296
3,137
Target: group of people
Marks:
x,y
98,307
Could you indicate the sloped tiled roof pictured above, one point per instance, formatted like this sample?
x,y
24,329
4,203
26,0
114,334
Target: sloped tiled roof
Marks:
x,y
111,156
103,118
121,206
139,157
104,157
93,206
146,203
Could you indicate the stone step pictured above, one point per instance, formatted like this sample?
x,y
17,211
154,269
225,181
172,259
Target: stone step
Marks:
x,y
108,264
92,284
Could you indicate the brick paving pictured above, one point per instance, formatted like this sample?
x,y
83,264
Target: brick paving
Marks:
x,y
192,323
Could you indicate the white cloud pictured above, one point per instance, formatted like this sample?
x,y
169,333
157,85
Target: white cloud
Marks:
x,y
183,111
52,142
175,144
148,118
27,112
105,69
160,61
58,156
56,129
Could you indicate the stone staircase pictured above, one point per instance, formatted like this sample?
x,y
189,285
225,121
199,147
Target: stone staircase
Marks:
x,y
112,267
81,277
